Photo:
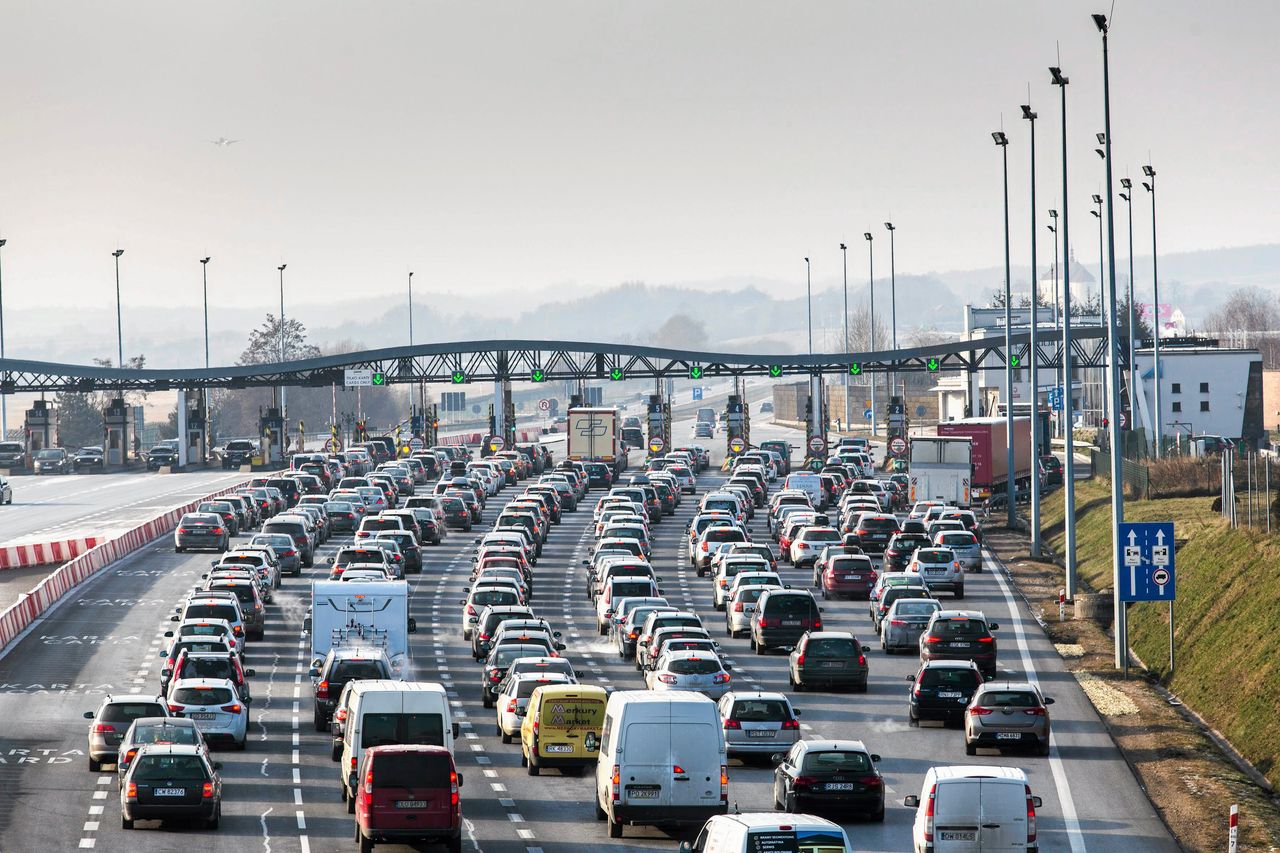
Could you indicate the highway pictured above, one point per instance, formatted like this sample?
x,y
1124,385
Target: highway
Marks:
x,y
282,793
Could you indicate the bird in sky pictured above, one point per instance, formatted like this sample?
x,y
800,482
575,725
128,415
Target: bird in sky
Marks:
x,y
223,142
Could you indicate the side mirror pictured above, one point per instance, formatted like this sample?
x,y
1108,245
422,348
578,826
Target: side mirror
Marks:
x,y
875,757
306,624
462,601
455,731
993,627
822,610
555,634
777,758
459,775
1037,802
1048,700
727,667
911,802
166,673
248,700
167,634
314,672
174,619
217,765
560,647
910,678
250,673
685,847
89,715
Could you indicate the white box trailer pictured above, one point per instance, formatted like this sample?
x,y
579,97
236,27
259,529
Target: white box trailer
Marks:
x,y
354,611
941,469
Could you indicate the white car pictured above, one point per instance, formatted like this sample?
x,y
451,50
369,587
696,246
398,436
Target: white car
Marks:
x,y
215,706
513,699
730,568
690,671
738,610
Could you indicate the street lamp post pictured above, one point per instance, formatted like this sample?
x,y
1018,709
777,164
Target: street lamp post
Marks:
x,y
1068,401
204,394
1002,142
1034,374
844,265
4,395
1113,364
893,309
871,286
119,325
284,411
1054,231
1134,388
1150,186
1102,280
411,308
808,289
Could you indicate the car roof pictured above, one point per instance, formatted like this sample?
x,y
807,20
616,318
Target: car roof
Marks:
x,y
974,771
172,749
961,614
755,694
204,682
837,745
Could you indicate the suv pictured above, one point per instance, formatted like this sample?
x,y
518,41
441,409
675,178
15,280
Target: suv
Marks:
x,y
875,531
831,658
238,452
13,455
171,781
164,453
110,722
941,690
297,530
225,664
341,665
782,617
960,635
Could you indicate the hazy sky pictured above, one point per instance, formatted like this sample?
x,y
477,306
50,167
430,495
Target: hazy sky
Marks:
x,y
493,146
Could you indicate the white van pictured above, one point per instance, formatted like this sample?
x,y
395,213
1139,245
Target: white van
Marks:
x,y
974,809
811,485
381,711
751,832
662,761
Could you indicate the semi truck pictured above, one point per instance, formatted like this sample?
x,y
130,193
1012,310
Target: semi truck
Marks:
x,y
594,435
941,470
989,452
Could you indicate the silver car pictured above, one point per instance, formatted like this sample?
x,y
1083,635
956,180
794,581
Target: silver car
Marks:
x,y
939,569
737,612
758,723
690,671
1007,713
904,622
964,545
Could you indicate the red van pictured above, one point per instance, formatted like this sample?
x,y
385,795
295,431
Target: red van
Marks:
x,y
409,794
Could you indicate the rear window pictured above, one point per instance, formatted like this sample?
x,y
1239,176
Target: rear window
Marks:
x,y
127,712
213,611
918,607
1008,699
760,710
880,524
163,768
494,596
934,556
164,734
830,647
386,729
694,666
676,621
411,769
380,524
207,668
724,534
958,628
959,539
949,677
791,604
833,761
642,588
202,695
750,594
352,670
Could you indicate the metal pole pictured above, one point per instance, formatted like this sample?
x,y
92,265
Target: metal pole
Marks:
x,y
119,325
871,285
844,264
1011,474
1171,659
893,307
1035,353
411,308
1068,403
1113,364
1266,472
284,409
1155,309
4,396
204,394
1134,388
808,289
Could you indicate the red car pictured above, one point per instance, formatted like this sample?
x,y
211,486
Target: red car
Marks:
x,y
848,575
408,794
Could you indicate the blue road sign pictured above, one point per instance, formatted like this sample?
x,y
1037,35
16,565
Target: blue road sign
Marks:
x,y
1054,396
1146,561
697,392
866,413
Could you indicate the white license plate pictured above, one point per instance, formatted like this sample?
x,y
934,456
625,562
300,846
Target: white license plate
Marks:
x,y
558,747
831,664
839,786
934,571
411,804
959,645
1008,736
852,577
789,623
948,695
760,733
958,835
169,792
643,793
203,716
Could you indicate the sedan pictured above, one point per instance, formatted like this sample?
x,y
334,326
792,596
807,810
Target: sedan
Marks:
x,y
758,722
1007,713
89,459
690,671
837,774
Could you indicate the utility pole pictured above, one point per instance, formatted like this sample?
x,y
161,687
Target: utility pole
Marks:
x,y
1035,351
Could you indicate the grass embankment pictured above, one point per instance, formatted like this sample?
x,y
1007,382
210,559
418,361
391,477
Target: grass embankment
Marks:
x,y
1227,616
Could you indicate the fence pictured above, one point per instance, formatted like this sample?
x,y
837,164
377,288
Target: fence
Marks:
x,y
1137,477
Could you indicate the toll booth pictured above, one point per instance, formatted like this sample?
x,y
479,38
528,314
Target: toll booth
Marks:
x,y
197,431
42,426
897,423
121,432
737,425
659,424
271,430
816,421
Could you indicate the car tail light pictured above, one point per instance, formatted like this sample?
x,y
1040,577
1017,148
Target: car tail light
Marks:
x,y
206,791
738,607
721,678
978,711
804,781
667,679
896,622
732,724
631,636
615,784
233,708
928,813
931,638
1031,816
183,530
704,546
322,690
217,530
862,660
986,639
495,677
511,706
1035,712
471,610
103,727
790,724
131,792
724,783
174,708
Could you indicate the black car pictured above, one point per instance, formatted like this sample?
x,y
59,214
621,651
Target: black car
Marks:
x,y
171,781
900,549
238,452
13,455
1051,468
941,690
817,775
89,459
52,460
161,455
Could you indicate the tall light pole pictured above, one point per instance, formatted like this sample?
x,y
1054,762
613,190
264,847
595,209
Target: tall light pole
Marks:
x,y
1113,364
1053,229
1134,388
204,394
1150,186
808,289
1068,401
1034,375
119,325
411,308
1102,259
1002,142
871,285
844,265
4,395
283,404
893,309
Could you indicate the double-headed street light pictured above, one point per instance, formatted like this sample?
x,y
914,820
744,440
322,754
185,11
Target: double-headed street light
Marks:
x,y
1034,375
871,286
411,308
1102,260
1053,229
283,403
1150,186
119,325
204,394
1002,142
844,265
1134,389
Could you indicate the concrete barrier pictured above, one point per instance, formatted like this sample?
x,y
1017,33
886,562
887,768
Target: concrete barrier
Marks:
x,y
42,553
31,605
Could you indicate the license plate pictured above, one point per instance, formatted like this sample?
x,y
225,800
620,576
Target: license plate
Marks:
x,y
789,623
169,792
959,645
760,733
411,804
203,716
852,577
558,747
1008,736
948,695
832,664
958,835
839,786
648,792
934,571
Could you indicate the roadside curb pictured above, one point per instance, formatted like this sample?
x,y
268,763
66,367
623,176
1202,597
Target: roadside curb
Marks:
x,y
25,554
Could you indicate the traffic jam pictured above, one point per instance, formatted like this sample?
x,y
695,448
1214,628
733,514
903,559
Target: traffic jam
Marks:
x,y
653,637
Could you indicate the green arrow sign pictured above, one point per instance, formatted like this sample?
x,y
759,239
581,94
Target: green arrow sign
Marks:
x,y
538,375
1014,361
932,364
695,372
616,374
775,370
855,369
379,378
459,377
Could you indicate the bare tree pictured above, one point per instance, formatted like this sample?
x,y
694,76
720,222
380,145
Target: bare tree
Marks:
x,y
1251,317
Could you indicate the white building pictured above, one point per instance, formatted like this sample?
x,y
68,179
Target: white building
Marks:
x,y
1203,391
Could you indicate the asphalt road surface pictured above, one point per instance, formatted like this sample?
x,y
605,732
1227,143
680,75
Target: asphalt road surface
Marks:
x,y
281,794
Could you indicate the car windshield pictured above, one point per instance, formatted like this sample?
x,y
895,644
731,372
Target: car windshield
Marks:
x,y
693,666
166,768
760,710
836,761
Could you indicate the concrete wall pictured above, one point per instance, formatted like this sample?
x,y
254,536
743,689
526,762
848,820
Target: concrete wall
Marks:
x,y
1271,399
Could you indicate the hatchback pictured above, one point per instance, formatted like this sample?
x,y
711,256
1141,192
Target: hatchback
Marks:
x,y
965,546
941,690
960,635
905,620
169,781
849,575
758,722
112,719
828,658
1007,713
145,731
691,671
215,707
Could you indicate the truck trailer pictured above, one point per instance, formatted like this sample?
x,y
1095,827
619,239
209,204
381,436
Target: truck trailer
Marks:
x,y
989,452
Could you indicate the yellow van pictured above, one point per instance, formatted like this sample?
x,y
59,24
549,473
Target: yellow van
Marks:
x,y
561,726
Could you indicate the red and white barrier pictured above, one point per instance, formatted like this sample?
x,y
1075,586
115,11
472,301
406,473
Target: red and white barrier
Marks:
x,y
43,553
29,607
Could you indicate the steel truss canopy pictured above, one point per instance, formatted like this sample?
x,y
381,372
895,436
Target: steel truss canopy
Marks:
x,y
538,361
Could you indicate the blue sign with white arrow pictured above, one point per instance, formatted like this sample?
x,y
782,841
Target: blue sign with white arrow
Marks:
x,y
1146,561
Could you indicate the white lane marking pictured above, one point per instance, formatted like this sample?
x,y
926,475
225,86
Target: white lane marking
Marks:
x,y
1067,804
266,836
302,819
87,843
